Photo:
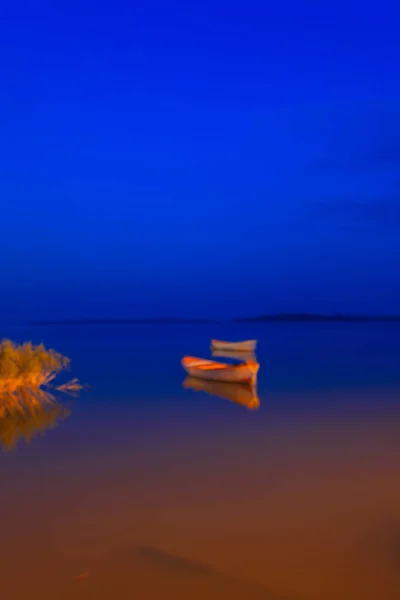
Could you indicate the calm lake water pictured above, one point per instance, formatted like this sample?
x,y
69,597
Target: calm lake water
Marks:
x,y
145,489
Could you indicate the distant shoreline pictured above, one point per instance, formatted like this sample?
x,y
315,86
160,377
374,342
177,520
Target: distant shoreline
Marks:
x,y
284,317
317,317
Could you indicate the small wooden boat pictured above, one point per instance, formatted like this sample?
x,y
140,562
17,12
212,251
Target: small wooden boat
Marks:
x,y
217,371
242,356
246,346
239,393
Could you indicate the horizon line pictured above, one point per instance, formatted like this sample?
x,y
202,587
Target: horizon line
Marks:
x,y
268,317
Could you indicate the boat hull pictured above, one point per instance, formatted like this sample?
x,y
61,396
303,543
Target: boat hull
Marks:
x,y
245,346
214,371
242,355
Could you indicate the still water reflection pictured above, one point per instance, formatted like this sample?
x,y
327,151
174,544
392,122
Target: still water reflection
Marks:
x,y
28,413
151,490
245,395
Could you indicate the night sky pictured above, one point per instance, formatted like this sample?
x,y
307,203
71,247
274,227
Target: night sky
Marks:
x,y
199,158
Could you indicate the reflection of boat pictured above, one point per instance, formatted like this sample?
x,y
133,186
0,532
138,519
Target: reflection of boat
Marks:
x,y
242,356
246,346
27,413
217,371
235,392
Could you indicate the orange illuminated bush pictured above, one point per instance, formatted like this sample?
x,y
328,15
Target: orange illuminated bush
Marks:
x,y
28,365
26,404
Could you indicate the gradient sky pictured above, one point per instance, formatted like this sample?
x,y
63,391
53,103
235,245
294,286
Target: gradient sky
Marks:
x,y
199,158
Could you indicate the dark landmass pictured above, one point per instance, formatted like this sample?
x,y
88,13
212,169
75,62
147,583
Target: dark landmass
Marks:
x,y
259,319
317,317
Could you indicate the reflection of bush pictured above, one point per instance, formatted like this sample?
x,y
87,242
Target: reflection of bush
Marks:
x,y
26,413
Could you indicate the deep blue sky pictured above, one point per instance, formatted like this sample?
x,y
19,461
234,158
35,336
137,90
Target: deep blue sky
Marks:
x,y
199,159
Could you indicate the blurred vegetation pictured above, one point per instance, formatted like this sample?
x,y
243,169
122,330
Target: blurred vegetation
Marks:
x,y
27,413
27,364
27,406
